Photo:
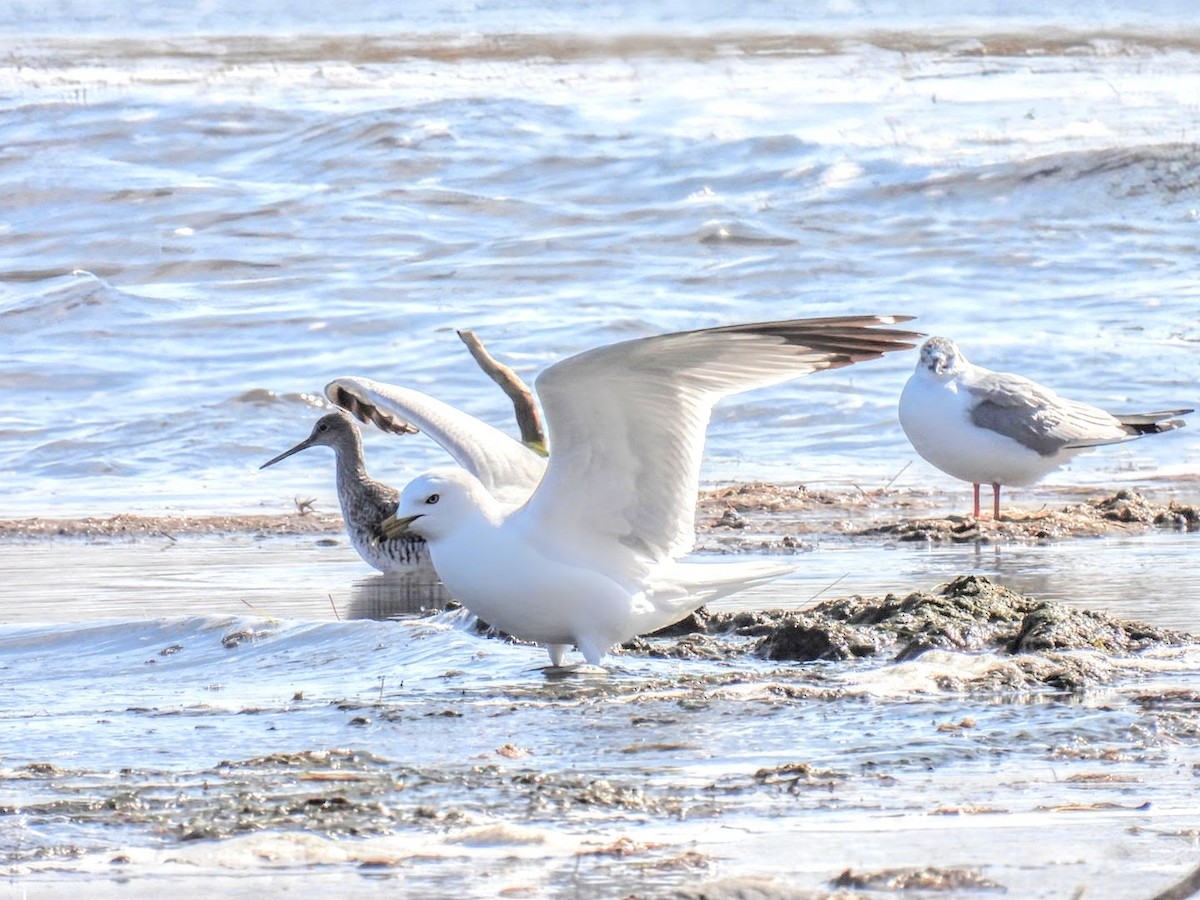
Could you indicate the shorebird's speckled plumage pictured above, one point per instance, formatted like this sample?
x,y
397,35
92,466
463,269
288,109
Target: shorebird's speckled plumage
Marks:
x,y
365,502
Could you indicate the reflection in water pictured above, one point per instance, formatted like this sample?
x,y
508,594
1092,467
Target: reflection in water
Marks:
x,y
1148,577
395,594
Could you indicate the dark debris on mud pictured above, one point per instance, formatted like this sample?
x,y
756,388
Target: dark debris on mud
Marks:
x,y
970,614
338,793
1124,512
925,882
751,516
926,879
773,518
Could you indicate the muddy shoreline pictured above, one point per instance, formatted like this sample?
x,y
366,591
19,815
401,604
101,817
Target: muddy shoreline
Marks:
x,y
291,740
743,516
1033,645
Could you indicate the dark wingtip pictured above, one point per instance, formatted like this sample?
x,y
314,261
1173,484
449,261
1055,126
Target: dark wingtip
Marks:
x,y
851,338
367,412
1153,422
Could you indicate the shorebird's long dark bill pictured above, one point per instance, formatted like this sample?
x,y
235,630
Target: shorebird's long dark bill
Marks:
x,y
303,445
392,527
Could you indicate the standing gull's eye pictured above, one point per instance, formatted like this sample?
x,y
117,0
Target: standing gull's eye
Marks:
x,y
433,498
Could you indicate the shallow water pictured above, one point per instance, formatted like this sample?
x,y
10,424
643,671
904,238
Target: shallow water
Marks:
x,y
212,211
681,770
1149,577
157,692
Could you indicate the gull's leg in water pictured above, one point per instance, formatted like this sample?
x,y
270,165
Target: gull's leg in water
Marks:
x,y
558,653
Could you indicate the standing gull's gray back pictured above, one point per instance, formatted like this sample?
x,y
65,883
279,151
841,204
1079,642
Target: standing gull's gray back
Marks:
x,y
996,428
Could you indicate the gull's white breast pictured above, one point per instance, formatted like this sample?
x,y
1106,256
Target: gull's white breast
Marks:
x,y
513,587
936,417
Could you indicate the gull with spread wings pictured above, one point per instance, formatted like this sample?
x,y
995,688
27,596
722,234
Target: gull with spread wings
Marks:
x,y
591,559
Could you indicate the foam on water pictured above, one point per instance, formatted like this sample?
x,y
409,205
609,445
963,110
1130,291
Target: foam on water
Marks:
x,y
488,772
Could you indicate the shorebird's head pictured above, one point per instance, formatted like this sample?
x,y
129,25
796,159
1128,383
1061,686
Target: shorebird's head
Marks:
x,y
334,430
435,503
941,358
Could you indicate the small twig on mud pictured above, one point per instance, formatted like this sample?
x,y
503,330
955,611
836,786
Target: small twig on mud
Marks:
x,y
1189,887
827,587
529,420
875,492
897,475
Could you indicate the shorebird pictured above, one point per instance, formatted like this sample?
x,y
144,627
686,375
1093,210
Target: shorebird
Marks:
x,y
994,428
591,559
365,502
509,469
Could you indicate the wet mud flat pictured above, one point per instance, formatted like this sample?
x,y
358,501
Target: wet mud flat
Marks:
x,y
961,740
776,516
755,516
958,742
655,786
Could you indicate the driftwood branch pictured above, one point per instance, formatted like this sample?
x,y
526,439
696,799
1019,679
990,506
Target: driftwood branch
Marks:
x,y
1189,887
529,419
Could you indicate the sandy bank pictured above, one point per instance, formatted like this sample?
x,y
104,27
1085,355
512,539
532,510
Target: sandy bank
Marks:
x,y
754,515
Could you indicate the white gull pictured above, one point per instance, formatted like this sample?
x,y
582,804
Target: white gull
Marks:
x,y
591,560
994,428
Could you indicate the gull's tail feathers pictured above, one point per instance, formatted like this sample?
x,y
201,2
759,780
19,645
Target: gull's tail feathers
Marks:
x,y
1136,425
1153,422
718,579
678,588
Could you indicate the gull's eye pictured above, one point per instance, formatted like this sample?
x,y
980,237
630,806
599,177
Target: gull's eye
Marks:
x,y
433,498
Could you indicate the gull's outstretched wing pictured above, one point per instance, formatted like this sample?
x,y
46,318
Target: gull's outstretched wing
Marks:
x,y
627,422
505,466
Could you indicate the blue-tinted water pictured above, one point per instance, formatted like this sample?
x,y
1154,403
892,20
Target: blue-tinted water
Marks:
x,y
200,231
209,212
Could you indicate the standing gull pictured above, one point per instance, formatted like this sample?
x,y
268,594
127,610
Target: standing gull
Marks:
x,y
993,428
591,559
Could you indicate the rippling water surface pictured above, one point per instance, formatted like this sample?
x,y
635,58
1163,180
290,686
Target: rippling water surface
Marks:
x,y
206,219
216,714
209,212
